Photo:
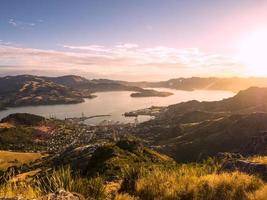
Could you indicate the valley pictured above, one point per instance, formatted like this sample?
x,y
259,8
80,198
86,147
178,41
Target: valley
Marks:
x,y
218,139
25,90
133,100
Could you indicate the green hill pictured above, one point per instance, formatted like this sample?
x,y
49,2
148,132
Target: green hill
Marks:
x,y
23,119
110,159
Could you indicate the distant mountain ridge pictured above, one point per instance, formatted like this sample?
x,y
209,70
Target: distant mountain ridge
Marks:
x,y
234,84
37,90
24,90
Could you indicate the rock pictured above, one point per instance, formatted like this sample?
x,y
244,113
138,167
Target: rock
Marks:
x,y
64,195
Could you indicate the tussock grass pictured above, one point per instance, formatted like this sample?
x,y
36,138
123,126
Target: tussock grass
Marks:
x,y
261,194
125,197
173,184
192,182
20,189
182,182
11,188
259,159
62,178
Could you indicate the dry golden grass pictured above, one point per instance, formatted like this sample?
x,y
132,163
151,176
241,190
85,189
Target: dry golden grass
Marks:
x,y
27,176
112,188
19,189
63,178
184,182
8,158
261,194
259,159
171,185
6,125
124,197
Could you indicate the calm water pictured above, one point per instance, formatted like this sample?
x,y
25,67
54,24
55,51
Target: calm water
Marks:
x,y
117,103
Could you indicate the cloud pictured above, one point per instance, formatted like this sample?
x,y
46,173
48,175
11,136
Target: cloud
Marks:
x,y
6,43
120,61
21,24
12,22
127,46
96,48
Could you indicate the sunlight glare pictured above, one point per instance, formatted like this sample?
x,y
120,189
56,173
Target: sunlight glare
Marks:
x,y
253,53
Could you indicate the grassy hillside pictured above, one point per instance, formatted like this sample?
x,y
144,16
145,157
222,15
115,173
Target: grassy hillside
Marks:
x,y
245,134
110,159
33,90
9,159
23,119
186,182
25,90
194,130
101,168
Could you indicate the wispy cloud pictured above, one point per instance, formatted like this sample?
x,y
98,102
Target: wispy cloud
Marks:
x,y
22,24
5,43
127,46
96,48
12,22
121,61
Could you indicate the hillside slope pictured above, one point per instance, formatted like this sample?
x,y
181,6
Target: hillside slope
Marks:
x,y
194,130
25,90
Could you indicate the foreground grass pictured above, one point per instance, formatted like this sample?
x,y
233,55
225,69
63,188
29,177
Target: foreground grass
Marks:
x,y
185,182
259,159
62,178
170,185
8,158
193,182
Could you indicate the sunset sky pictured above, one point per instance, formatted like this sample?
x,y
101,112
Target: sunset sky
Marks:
x,y
133,39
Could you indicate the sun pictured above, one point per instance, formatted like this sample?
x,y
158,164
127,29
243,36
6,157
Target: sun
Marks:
x,y
252,52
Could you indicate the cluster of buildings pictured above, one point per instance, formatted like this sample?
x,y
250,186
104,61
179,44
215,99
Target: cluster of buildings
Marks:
x,y
68,134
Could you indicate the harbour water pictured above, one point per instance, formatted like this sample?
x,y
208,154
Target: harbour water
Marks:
x,y
115,104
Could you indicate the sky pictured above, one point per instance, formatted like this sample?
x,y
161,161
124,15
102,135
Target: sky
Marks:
x,y
134,39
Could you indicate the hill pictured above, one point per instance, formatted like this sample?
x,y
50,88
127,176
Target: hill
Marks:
x,y
234,84
194,130
101,168
126,170
23,119
95,85
25,90
244,134
33,90
110,159
246,101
